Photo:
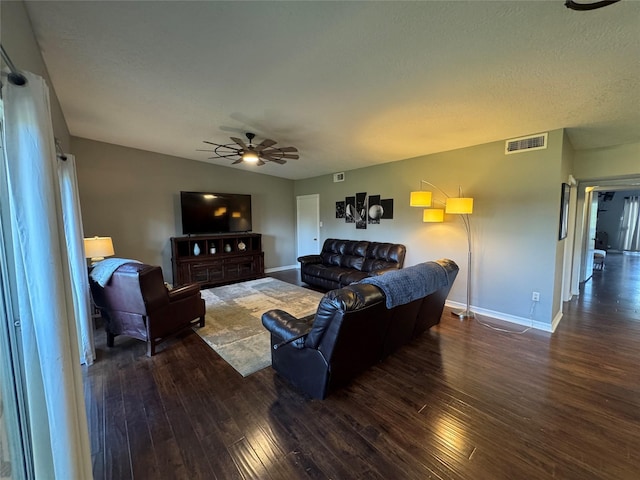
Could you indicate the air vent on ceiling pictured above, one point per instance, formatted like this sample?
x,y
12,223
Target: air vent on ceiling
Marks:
x,y
526,144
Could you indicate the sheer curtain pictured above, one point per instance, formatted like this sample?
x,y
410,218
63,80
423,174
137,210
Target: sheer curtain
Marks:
x,y
48,332
77,262
630,224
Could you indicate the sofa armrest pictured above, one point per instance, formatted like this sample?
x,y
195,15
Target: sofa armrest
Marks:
x,y
286,326
183,292
310,259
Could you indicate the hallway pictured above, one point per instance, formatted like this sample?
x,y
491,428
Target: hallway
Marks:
x,y
613,292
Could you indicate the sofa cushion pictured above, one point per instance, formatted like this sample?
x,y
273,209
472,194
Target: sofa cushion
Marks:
x,y
351,262
352,276
344,253
383,255
324,271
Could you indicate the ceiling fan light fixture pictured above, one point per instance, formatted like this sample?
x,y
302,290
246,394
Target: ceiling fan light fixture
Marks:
x,y
250,156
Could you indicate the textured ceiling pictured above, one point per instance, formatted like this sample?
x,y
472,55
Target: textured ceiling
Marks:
x,y
349,83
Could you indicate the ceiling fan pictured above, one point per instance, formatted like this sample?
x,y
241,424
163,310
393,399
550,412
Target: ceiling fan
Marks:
x,y
260,154
588,6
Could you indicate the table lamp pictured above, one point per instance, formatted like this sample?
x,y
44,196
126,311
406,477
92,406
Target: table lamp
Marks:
x,y
96,248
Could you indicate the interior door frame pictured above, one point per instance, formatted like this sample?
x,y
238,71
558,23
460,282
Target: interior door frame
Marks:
x,y
315,233
627,182
588,238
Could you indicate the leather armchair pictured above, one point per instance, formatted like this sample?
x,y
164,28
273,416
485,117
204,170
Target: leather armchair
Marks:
x,y
136,303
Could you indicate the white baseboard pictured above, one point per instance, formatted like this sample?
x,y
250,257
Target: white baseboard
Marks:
x,y
278,269
505,317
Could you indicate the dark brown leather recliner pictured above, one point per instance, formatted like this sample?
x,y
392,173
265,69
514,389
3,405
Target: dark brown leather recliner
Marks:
x,y
136,303
357,326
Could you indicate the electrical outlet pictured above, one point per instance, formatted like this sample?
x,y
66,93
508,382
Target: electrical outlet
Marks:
x,y
535,296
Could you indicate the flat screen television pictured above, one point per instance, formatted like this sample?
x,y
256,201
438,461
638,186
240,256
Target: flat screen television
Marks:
x,y
209,212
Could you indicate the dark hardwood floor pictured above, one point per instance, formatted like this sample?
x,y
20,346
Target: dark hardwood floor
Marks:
x,y
461,402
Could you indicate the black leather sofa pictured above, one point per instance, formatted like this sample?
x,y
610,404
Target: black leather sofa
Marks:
x,y
342,262
357,326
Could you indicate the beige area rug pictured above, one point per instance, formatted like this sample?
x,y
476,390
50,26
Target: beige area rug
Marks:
x,y
233,326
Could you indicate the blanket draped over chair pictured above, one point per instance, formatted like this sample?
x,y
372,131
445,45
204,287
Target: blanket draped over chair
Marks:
x,y
410,283
102,271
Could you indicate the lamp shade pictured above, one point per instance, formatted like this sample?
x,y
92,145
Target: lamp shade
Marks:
x,y
420,199
459,206
96,248
433,215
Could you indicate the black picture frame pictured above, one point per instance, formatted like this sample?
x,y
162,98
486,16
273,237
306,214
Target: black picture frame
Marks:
x,y
564,211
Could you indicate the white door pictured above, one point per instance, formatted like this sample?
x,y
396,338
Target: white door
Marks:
x,y
308,224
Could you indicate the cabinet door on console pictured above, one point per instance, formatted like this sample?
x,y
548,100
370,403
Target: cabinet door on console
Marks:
x,y
209,272
240,267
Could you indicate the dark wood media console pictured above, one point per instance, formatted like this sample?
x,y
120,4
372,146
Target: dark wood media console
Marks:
x,y
212,260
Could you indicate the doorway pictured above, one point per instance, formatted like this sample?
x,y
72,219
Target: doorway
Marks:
x,y
594,197
308,224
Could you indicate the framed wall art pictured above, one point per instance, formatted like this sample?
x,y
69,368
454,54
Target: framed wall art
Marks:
x,y
564,211
363,209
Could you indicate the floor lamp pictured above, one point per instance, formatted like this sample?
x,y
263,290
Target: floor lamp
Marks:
x,y
459,205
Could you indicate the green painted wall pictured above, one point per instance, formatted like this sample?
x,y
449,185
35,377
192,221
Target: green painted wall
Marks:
x,y
514,224
133,196
19,42
609,162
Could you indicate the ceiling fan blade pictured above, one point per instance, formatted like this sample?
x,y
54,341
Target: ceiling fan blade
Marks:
x,y
260,162
266,143
275,154
278,160
198,150
278,154
240,142
211,143
237,161
280,151
270,155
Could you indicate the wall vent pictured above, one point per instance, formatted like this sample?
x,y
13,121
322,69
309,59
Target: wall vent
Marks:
x,y
526,144
338,177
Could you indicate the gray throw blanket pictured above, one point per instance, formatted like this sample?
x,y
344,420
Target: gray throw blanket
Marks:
x,y
102,271
410,283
